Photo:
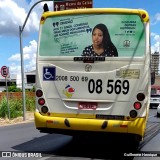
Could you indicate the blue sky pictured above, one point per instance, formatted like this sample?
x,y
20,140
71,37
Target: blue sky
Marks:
x,y
14,12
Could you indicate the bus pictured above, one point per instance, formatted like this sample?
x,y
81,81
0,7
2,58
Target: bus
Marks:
x,y
80,90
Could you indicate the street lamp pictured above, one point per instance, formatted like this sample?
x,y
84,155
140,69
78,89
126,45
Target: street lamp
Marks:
x,y
21,28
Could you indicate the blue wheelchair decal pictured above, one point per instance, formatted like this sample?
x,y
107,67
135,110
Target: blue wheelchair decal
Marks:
x,y
49,73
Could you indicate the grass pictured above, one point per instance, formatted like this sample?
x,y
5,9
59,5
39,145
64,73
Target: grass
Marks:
x,y
15,106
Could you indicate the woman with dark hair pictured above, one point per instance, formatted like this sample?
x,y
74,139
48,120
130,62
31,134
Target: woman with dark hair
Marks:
x,y
102,44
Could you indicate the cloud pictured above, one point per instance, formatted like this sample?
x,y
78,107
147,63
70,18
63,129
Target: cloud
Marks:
x,y
29,58
156,19
31,65
13,15
30,51
156,40
15,57
155,47
10,18
15,68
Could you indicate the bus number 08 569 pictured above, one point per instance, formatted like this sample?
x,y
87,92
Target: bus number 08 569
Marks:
x,y
116,86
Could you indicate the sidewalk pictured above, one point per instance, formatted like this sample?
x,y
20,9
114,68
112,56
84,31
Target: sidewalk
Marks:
x,y
6,121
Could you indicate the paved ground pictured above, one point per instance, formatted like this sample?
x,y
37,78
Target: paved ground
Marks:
x,y
6,121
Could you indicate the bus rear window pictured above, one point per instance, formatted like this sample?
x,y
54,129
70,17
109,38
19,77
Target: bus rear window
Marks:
x,y
121,35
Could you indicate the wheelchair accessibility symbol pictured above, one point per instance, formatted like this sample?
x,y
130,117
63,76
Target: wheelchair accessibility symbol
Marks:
x,y
49,73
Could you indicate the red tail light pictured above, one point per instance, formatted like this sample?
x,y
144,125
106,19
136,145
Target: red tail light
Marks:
x,y
41,101
137,105
143,16
44,109
140,96
39,93
133,114
42,19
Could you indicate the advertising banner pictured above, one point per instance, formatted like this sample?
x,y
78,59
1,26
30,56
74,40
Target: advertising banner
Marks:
x,y
72,35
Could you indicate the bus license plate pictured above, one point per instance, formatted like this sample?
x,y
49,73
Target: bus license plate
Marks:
x,y
87,105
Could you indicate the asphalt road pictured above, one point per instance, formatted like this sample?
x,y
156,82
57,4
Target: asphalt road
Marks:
x,y
150,150
25,139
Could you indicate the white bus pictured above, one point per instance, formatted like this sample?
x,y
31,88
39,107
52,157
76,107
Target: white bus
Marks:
x,y
93,72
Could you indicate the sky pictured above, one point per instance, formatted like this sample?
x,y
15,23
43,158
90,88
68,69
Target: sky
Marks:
x,y
13,14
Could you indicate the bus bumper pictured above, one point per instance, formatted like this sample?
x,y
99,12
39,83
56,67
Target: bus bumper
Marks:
x,y
57,124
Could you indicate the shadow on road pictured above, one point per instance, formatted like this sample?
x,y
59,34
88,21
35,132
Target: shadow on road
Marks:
x,y
60,145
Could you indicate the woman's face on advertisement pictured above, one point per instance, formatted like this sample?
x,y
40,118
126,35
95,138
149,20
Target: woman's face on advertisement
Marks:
x,y
97,37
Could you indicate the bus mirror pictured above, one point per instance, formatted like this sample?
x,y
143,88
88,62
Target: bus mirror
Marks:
x,y
152,78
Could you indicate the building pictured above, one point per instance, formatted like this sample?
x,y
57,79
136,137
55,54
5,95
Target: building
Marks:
x,y
29,80
155,63
4,82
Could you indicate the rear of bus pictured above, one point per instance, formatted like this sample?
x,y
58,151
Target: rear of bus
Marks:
x,y
93,94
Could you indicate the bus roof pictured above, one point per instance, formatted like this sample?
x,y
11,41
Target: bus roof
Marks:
x,y
142,13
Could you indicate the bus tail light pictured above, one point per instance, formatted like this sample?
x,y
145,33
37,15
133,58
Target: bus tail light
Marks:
x,y
137,105
41,101
44,109
39,93
133,114
140,96
42,19
143,15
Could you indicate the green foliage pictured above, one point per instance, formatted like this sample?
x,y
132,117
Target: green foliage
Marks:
x,y
33,89
3,108
15,106
30,103
13,88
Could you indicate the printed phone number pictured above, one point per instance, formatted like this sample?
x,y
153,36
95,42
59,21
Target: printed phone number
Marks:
x,y
117,86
